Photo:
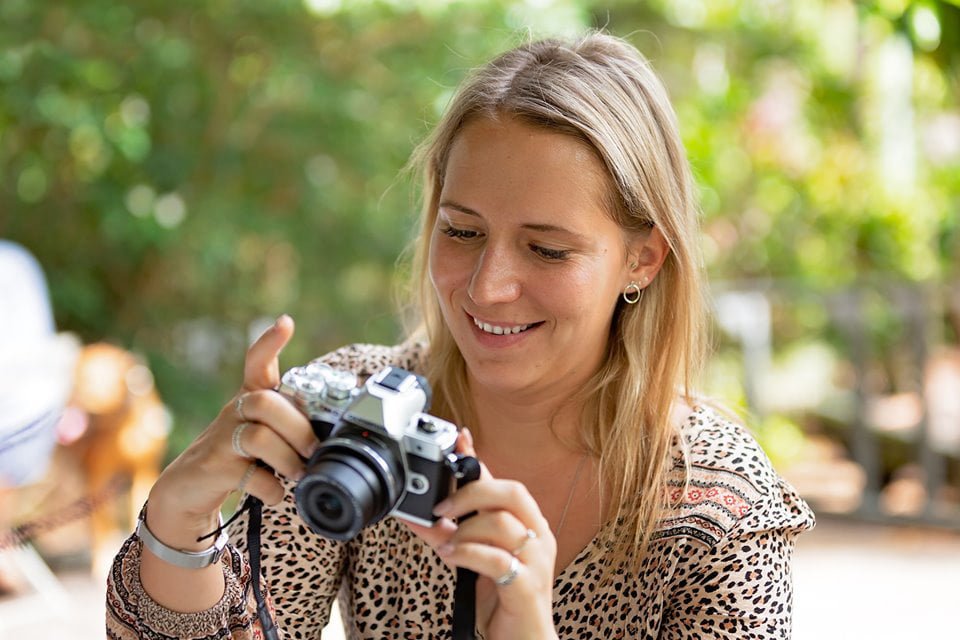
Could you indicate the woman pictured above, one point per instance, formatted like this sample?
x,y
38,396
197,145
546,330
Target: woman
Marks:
x,y
562,320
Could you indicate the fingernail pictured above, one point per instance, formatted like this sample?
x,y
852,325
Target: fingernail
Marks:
x,y
442,508
297,476
445,524
445,549
468,436
280,319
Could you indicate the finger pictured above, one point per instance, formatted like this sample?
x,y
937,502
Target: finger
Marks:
x,y
465,447
435,536
484,495
270,408
495,528
264,485
491,562
261,442
261,369
465,443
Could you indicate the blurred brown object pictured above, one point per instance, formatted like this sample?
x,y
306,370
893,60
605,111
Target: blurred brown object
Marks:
x,y
124,440
942,383
939,402
905,493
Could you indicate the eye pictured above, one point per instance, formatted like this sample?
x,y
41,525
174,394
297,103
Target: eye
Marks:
x,y
549,254
461,234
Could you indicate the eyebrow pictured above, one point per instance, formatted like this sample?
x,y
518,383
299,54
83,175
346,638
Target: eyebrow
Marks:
x,y
533,226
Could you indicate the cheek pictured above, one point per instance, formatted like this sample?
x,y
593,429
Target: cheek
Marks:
x,y
444,267
589,299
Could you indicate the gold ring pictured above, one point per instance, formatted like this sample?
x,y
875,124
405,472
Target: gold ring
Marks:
x,y
246,476
237,445
530,535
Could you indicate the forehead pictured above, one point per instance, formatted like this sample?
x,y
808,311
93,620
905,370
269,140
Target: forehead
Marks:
x,y
507,167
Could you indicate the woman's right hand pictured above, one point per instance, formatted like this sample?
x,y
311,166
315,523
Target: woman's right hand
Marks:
x,y
186,499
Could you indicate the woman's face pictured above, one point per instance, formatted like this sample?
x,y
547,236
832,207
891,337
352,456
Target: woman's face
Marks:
x,y
526,262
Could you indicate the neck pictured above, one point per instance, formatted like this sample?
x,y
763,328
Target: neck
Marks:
x,y
511,426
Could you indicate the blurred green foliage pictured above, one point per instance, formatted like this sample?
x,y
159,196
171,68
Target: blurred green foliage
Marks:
x,y
824,133
185,171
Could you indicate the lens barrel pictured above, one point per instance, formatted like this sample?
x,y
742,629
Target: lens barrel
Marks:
x,y
346,488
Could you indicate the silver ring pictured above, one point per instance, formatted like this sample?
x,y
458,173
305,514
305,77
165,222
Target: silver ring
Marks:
x,y
237,446
246,476
239,407
530,535
511,573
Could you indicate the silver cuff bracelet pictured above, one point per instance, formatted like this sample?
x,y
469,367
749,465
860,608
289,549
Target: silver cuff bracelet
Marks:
x,y
178,557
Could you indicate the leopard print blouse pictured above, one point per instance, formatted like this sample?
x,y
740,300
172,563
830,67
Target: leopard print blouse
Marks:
x,y
718,566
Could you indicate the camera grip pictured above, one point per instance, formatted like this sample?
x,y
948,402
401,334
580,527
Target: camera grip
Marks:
x,y
466,469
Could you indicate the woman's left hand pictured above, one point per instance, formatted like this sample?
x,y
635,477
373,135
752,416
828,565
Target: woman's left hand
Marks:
x,y
507,537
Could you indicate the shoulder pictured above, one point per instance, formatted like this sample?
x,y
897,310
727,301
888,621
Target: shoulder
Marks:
x,y
722,483
720,446
366,359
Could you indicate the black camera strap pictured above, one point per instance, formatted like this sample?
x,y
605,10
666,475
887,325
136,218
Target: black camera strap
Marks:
x,y
253,548
255,507
466,469
465,605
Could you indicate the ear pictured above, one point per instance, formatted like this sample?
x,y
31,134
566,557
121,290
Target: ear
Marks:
x,y
646,253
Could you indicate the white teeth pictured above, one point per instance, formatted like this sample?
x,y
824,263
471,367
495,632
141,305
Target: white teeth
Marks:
x,y
499,331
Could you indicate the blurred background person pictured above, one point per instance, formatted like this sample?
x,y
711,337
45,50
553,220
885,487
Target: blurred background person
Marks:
x,y
36,375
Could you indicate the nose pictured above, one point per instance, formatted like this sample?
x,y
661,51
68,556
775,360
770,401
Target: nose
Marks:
x,y
495,279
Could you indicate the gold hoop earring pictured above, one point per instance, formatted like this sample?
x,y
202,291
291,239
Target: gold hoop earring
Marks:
x,y
632,293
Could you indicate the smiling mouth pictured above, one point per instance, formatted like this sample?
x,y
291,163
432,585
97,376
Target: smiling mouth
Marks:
x,y
503,331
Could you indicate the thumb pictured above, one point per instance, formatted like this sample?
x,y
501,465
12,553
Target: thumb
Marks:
x,y
464,444
261,369
465,447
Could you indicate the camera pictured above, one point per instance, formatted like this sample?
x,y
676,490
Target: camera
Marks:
x,y
380,454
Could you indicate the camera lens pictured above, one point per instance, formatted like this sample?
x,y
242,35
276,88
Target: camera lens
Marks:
x,y
345,489
330,506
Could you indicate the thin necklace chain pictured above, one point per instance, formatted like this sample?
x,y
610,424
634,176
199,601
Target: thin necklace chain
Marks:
x,y
573,486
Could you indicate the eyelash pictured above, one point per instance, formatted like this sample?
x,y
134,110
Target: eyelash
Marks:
x,y
460,234
550,254
544,252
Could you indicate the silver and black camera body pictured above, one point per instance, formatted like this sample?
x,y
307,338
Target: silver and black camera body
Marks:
x,y
380,454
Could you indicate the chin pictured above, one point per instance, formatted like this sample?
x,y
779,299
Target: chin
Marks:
x,y
503,376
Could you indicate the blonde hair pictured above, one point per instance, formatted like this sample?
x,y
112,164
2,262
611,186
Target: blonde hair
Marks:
x,y
600,90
